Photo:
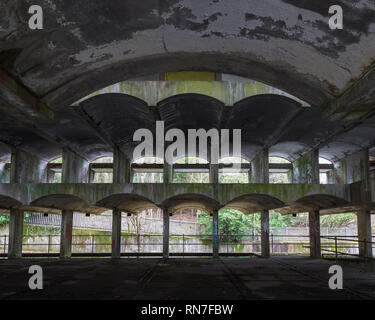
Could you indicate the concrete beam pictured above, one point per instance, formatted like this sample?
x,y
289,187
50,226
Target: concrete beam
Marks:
x,y
27,168
74,168
314,230
15,234
259,172
364,234
116,233
165,234
215,232
357,101
66,234
265,233
18,101
100,132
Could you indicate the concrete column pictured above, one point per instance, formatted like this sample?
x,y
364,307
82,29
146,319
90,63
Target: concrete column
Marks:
x,y
74,168
259,172
165,234
364,234
352,168
66,234
215,232
15,234
121,167
314,228
168,173
306,168
27,168
116,233
214,173
265,236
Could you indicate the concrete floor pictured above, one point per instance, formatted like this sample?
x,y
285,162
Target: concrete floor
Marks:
x,y
179,279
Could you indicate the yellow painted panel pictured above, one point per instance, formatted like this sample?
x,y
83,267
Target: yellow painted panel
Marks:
x,y
190,76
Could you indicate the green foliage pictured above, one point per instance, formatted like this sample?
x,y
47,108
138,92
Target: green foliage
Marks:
x,y
4,219
233,225
338,220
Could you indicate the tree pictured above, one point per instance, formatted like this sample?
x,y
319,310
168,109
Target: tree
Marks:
x,y
234,225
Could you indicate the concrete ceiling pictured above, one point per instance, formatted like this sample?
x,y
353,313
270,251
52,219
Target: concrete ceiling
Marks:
x,y
88,44
98,124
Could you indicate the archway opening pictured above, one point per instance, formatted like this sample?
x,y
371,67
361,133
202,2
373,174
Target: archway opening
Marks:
x,y
54,170
101,170
280,170
147,170
191,170
234,170
325,171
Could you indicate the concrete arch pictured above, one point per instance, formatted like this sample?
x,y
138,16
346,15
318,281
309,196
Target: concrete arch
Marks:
x,y
236,63
7,203
119,115
314,202
259,116
154,91
191,201
195,96
337,150
276,97
289,150
252,203
127,202
191,111
62,202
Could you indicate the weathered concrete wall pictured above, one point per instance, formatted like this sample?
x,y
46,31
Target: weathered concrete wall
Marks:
x,y
352,168
74,168
104,222
27,168
228,92
306,168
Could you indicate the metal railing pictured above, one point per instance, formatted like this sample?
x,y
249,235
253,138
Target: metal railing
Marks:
x,y
187,245
340,246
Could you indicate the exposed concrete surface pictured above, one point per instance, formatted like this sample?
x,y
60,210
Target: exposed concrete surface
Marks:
x,y
248,278
83,43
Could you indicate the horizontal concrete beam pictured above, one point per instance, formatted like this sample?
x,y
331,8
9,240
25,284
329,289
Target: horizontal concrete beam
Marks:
x,y
86,197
